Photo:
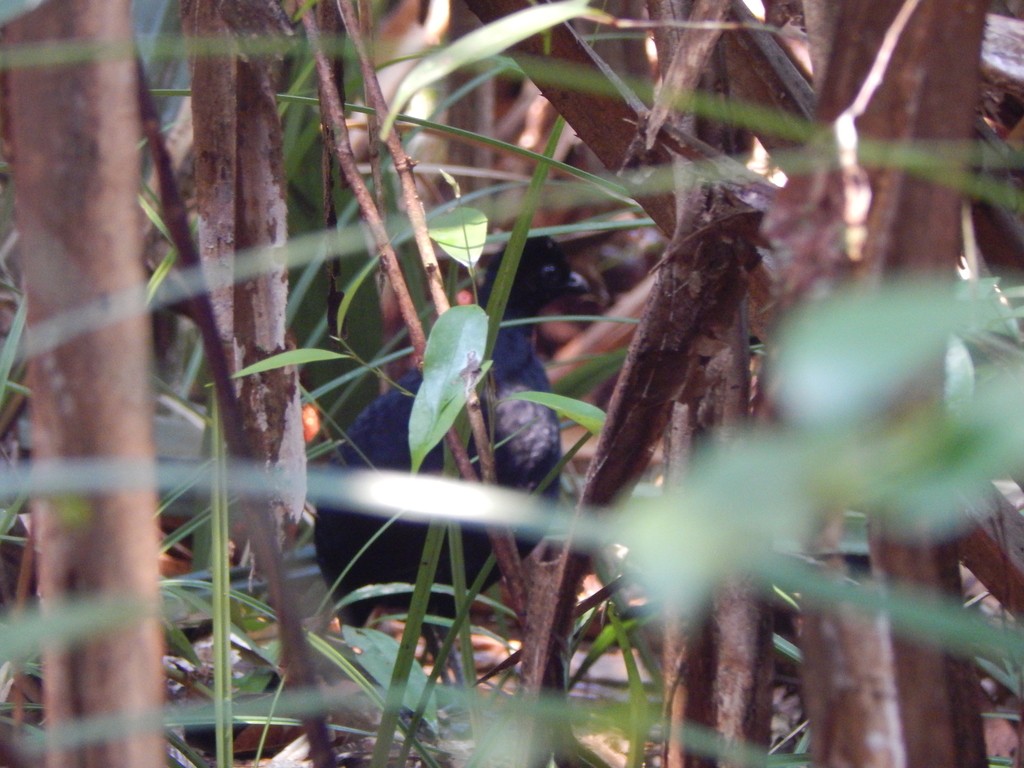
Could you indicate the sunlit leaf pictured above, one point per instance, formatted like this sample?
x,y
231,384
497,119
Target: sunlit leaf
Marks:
x,y
588,416
452,182
482,44
461,233
291,357
160,273
452,365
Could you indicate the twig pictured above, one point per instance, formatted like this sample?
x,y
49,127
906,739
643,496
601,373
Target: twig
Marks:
x,y
370,213
418,219
403,164
857,194
342,147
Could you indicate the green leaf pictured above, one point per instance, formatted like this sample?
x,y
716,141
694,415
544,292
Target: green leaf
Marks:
x,y
588,416
291,357
452,364
461,234
9,350
163,269
738,503
377,653
452,182
852,356
350,292
481,44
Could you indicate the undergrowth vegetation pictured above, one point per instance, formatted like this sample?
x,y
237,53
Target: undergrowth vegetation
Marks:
x,y
896,407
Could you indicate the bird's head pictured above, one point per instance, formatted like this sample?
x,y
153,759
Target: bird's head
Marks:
x,y
543,276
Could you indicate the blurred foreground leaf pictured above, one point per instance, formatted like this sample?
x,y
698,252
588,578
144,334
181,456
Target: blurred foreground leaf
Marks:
x,y
64,624
852,356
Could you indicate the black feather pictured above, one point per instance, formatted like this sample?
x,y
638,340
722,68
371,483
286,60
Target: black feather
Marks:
x,y
527,436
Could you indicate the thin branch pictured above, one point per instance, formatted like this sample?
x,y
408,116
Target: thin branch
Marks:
x,y
503,542
403,164
417,217
856,185
342,147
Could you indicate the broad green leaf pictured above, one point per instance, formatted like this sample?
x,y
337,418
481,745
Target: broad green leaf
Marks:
x,y
452,365
291,357
377,653
481,44
852,356
461,233
588,416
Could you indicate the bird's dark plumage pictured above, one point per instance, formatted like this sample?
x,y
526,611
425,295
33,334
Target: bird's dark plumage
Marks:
x,y
527,436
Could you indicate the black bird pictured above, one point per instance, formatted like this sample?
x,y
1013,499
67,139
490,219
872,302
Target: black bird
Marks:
x,y
526,435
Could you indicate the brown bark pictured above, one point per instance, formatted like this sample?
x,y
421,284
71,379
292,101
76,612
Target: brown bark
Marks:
x,y
606,114
725,670
941,721
729,671
849,688
914,222
214,126
75,132
475,112
262,524
820,17
912,225
850,692
240,199
761,73
270,401
993,550
697,291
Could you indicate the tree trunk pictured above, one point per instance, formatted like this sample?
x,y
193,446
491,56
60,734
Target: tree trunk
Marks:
x,y
75,135
240,198
874,700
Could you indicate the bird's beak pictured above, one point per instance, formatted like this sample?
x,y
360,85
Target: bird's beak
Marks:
x,y
577,284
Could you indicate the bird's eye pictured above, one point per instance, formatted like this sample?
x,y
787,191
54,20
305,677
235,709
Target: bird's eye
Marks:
x,y
549,272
